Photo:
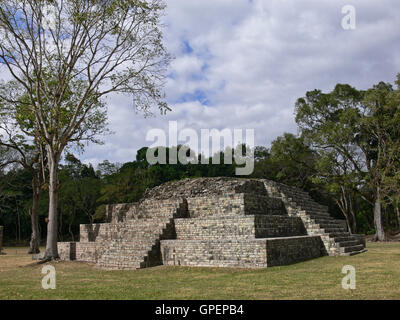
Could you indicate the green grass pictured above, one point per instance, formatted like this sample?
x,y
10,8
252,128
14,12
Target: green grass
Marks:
x,y
378,277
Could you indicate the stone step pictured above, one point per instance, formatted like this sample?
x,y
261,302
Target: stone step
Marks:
x,y
315,209
329,223
134,246
333,230
145,228
326,220
121,266
133,243
291,190
304,201
354,248
345,238
348,243
131,250
141,231
314,216
324,226
131,234
339,234
146,225
122,256
315,212
352,253
311,210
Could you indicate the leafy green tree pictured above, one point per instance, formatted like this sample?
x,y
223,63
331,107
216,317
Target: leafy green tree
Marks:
x,y
79,193
15,203
336,177
106,168
292,160
288,161
70,60
361,129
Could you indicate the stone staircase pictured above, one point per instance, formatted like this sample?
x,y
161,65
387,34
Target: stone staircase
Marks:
x,y
337,239
136,245
137,242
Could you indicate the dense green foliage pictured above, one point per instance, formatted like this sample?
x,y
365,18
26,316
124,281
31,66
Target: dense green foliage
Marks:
x,y
84,191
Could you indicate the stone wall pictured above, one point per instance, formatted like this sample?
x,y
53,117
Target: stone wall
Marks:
x,y
250,253
263,204
146,208
81,251
281,251
89,251
214,253
259,226
98,232
67,250
1,238
234,204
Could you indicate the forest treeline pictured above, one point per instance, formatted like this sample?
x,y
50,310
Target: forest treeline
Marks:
x,y
346,155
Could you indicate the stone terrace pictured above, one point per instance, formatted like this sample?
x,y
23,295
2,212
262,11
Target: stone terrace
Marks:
x,y
225,222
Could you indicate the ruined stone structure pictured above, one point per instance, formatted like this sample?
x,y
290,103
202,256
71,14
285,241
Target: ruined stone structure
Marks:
x,y
224,222
1,238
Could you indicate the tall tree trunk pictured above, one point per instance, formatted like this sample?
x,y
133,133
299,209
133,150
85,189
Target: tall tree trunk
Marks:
x,y
398,215
347,220
18,225
342,204
35,236
379,231
70,232
52,231
353,215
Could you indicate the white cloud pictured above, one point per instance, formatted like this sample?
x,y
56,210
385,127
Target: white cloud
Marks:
x,y
243,64
250,60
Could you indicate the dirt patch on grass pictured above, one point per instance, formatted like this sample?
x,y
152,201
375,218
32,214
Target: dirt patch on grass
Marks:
x,y
15,257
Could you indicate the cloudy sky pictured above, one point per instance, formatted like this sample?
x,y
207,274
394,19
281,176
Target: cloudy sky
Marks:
x,y
243,64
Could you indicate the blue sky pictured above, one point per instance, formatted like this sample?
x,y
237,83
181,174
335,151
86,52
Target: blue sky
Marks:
x,y
243,64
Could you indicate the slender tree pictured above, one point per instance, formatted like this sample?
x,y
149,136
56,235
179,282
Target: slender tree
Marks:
x,y
69,55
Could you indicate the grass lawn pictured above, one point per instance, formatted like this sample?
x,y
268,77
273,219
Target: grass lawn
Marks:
x,y
378,277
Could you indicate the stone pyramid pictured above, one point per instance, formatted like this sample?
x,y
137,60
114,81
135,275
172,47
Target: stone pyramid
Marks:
x,y
220,222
